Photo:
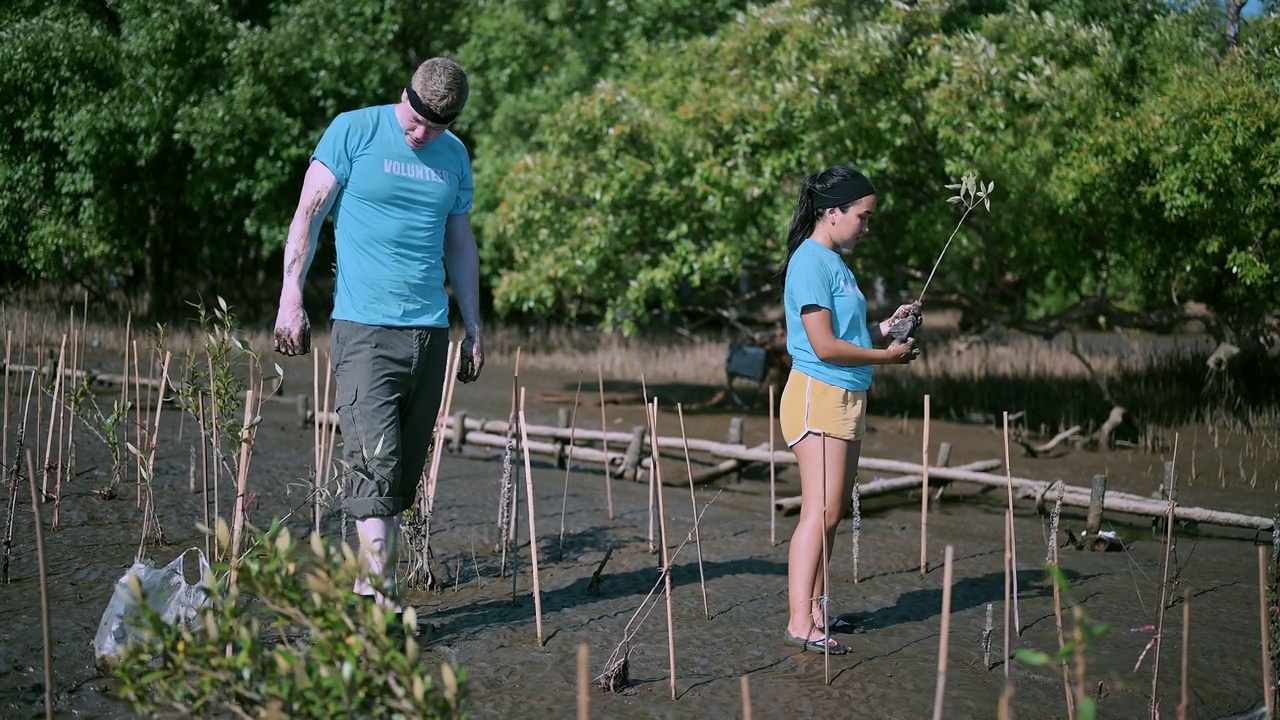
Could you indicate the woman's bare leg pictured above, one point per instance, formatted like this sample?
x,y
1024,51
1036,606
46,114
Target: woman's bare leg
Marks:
x,y
820,466
837,504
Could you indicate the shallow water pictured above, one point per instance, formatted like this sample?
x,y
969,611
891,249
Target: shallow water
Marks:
x,y
892,669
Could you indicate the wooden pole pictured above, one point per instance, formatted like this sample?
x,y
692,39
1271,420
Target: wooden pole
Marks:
x,y
204,477
1268,689
604,439
940,690
1184,700
533,529
697,536
242,487
53,415
666,558
736,427
773,477
44,597
317,439
1052,561
452,361
745,681
568,465
1097,501
856,523
8,357
506,498
1013,537
584,683
1171,485
924,493
826,586
1008,566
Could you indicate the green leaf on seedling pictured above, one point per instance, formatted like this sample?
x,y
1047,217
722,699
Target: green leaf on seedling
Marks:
x,y
1032,657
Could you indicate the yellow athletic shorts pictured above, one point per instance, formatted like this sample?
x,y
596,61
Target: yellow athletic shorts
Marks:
x,y
810,405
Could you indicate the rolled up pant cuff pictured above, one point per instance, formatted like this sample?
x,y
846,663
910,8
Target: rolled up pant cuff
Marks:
x,y
375,507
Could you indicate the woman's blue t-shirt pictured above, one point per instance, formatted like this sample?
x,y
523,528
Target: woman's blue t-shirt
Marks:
x,y
817,275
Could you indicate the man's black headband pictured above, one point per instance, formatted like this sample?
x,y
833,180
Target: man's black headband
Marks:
x,y
421,108
843,192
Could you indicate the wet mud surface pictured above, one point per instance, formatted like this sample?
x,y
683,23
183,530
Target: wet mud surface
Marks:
x,y
892,669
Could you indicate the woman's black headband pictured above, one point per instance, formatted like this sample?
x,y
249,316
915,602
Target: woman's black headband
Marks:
x,y
421,108
844,192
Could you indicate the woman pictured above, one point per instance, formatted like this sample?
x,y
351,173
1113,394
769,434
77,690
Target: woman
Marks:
x,y
822,412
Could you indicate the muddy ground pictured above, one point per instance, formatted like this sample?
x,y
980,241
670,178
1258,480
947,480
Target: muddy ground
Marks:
x,y
891,671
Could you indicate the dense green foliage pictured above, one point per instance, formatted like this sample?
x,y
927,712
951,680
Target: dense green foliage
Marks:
x,y
639,159
283,643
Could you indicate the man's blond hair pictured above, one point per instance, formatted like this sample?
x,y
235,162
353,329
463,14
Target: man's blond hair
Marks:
x,y
442,85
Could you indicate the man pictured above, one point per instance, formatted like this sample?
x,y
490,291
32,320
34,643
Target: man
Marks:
x,y
400,186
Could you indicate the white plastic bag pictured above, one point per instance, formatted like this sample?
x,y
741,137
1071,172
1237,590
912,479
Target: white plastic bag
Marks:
x,y
165,590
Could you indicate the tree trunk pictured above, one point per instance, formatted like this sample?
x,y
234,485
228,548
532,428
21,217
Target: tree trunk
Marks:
x,y
1233,23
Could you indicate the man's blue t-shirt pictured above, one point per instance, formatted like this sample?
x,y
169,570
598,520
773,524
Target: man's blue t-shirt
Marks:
x,y
817,275
389,218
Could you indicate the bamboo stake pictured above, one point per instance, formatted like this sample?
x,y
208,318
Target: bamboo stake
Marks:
x,y
8,358
1008,566
693,498
60,402
568,463
940,691
826,586
533,530
53,416
34,443
654,472
123,420
1164,586
924,494
1057,606
773,479
452,362
1004,710
66,427
44,599
326,441
604,439
653,469
1268,690
1184,701
584,697
317,439
204,476
328,455
137,426
242,485
215,434
506,500
745,681
856,524
13,473
1013,538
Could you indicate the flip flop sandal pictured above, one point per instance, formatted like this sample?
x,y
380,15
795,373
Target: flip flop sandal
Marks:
x,y
838,624
822,644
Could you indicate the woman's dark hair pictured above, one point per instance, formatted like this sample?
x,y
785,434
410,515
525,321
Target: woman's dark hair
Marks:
x,y
821,190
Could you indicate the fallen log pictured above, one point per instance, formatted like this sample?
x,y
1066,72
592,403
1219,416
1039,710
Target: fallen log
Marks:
x,y
1038,450
494,431
725,467
884,486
